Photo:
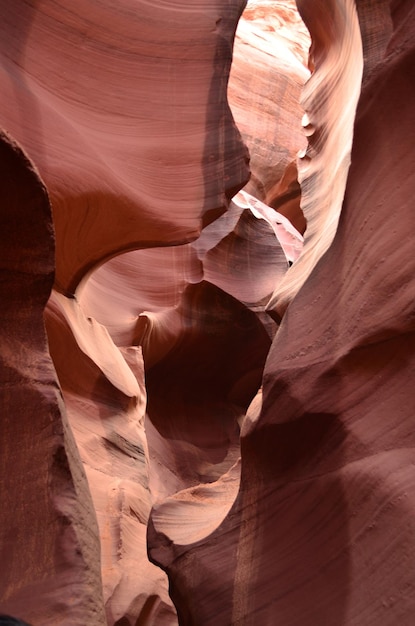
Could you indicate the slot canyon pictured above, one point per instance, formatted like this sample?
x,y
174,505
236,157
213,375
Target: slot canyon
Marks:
x,y
207,312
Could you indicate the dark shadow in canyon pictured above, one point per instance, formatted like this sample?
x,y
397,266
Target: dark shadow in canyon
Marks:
x,y
200,388
225,158
281,553
294,532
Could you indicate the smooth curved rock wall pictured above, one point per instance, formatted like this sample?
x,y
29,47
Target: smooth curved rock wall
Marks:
x,y
322,529
329,101
48,532
124,111
314,523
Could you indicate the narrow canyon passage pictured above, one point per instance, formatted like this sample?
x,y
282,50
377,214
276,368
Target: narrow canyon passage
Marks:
x,y
207,206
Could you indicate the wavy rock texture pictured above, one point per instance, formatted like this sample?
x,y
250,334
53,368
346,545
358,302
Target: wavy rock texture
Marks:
x,y
160,351
110,102
104,393
128,122
48,532
204,347
340,443
268,73
322,530
85,87
206,325
329,101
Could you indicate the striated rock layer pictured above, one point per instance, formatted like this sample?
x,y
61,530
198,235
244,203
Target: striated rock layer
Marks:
x,y
334,446
204,336
124,111
157,325
269,70
323,528
48,532
103,389
329,102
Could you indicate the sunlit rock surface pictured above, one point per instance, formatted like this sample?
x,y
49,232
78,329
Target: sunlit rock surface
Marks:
x,y
104,393
125,113
329,102
204,335
123,109
268,73
333,446
322,530
267,469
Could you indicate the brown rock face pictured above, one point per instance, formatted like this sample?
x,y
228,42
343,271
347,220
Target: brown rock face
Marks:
x,y
333,446
80,86
124,111
104,393
204,336
322,530
267,469
48,532
329,102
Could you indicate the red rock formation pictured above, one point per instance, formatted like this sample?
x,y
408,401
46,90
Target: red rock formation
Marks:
x,y
124,111
268,74
285,197
334,443
104,394
84,91
329,101
129,125
322,530
110,102
48,533
192,329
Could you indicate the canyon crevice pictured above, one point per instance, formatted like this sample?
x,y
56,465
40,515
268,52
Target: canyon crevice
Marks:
x,y
207,312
